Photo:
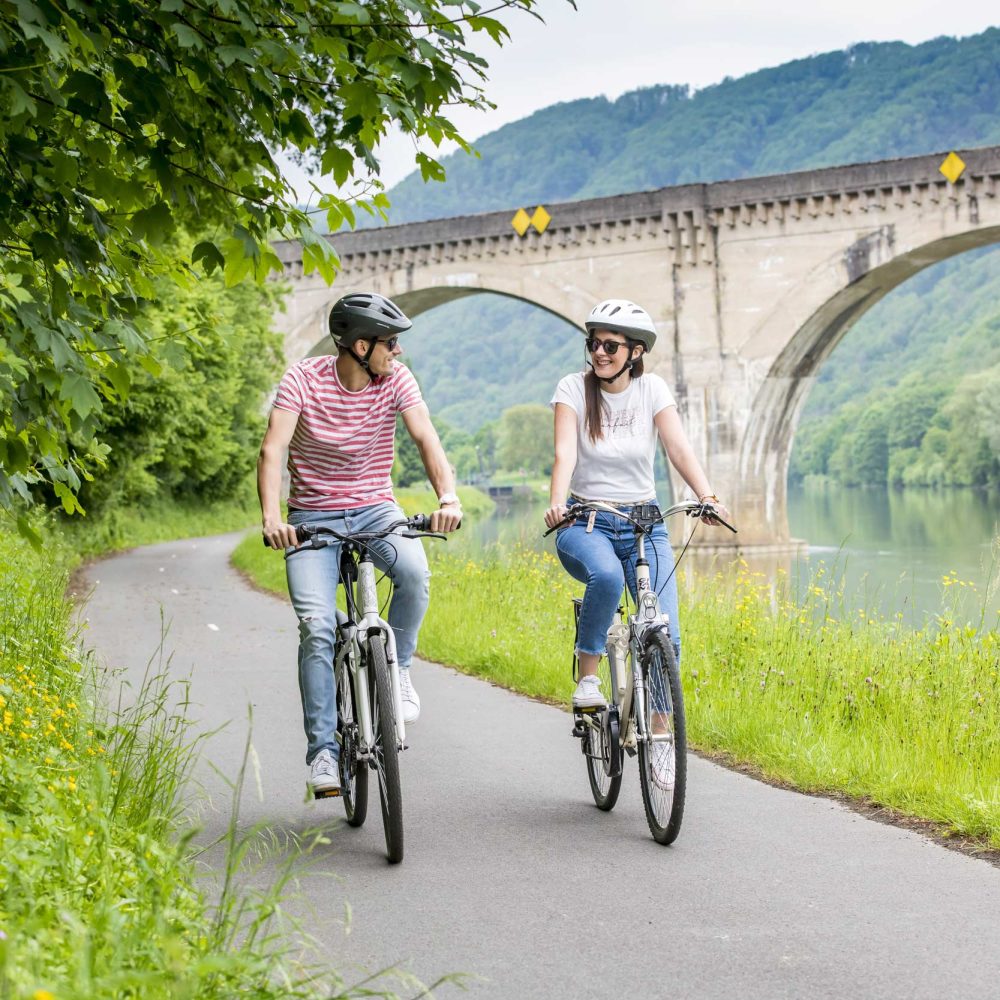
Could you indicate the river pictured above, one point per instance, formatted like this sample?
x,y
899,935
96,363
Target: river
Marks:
x,y
892,550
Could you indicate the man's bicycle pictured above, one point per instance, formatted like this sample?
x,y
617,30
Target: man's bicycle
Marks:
x,y
370,727
641,683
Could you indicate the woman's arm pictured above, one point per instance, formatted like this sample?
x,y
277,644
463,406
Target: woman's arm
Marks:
x,y
682,457
565,462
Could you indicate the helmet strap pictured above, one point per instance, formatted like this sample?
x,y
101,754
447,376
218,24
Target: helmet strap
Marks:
x,y
602,378
363,361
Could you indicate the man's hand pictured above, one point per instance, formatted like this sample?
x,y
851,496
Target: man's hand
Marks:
x,y
279,535
446,518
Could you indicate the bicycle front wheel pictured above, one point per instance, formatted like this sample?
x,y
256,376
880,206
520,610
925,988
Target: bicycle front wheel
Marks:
x,y
385,750
603,751
663,752
353,779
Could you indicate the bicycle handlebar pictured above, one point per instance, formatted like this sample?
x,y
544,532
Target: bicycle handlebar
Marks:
x,y
693,508
310,536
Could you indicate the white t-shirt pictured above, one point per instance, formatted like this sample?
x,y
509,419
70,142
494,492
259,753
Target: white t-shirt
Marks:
x,y
619,465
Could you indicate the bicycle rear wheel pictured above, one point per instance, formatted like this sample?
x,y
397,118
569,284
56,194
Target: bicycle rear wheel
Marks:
x,y
353,779
663,754
386,750
598,750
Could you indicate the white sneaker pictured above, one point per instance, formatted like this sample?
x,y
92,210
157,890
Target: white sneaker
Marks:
x,y
411,700
324,774
661,764
588,693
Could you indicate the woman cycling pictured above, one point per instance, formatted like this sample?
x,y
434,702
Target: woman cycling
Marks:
x,y
607,421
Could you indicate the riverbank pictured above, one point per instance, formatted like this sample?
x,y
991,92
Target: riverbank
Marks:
x,y
808,694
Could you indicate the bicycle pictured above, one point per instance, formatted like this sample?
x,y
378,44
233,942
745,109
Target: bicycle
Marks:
x,y
640,679
370,727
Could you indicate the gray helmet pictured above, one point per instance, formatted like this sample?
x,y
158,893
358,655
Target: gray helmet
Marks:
x,y
622,316
365,316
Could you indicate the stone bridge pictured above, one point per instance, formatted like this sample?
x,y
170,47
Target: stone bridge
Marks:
x,y
751,283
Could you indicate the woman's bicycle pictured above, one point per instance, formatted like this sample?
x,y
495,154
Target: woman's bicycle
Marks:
x,y
640,680
370,727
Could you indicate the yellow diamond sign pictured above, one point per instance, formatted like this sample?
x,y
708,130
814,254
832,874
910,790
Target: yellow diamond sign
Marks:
x,y
952,167
521,221
540,219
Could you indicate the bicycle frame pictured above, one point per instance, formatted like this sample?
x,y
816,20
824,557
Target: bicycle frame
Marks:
x,y
354,629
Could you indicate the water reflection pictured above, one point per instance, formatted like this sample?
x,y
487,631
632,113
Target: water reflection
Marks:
x,y
891,550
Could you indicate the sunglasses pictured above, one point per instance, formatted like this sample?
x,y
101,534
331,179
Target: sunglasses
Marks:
x,y
389,343
610,346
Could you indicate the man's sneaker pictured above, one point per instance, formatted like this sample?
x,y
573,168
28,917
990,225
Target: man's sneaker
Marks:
x,y
411,700
324,775
661,765
588,693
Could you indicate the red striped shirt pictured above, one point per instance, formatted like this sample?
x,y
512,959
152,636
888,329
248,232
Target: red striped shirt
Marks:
x,y
340,455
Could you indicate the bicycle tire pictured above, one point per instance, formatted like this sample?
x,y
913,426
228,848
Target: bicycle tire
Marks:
x,y
664,705
603,787
385,750
353,779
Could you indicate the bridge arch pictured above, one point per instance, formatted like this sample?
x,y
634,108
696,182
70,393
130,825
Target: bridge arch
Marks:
x,y
874,269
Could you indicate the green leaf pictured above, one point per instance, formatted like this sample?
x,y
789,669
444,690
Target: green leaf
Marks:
x,y
430,169
209,255
340,162
79,393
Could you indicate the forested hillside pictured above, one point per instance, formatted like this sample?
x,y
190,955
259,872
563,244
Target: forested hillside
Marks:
x,y
871,101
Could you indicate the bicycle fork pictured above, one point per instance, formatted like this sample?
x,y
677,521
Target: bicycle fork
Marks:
x,y
367,602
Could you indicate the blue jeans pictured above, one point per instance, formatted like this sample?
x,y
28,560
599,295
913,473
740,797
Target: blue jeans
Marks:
x,y
604,559
313,575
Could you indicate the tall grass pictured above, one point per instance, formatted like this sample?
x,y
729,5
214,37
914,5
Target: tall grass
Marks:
x,y
805,692
98,890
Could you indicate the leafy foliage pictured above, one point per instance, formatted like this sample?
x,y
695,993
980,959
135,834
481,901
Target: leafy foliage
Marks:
x,y
123,121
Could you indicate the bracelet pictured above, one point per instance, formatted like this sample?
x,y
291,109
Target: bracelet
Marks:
x,y
710,496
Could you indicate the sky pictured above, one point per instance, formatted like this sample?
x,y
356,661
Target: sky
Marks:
x,y
608,47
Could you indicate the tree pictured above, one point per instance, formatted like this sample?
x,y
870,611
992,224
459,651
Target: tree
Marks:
x,y
124,120
525,439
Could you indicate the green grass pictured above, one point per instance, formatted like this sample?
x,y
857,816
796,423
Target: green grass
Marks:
x,y
805,694
98,891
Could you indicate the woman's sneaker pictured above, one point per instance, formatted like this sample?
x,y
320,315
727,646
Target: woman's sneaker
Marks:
x,y
411,700
588,693
324,775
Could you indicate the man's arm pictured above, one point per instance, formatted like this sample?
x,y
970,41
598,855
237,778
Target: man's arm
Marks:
x,y
280,428
417,420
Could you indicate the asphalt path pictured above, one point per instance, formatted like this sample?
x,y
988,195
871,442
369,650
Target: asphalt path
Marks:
x,y
511,874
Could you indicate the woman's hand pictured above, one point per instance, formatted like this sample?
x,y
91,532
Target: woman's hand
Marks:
x,y
555,514
714,503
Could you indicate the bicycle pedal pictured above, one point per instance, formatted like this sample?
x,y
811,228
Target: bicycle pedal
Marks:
x,y
327,793
579,730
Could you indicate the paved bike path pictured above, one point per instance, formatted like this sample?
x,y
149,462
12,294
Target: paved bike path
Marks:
x,y
511,874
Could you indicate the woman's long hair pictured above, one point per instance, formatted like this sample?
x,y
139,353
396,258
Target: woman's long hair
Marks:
x,y
595,407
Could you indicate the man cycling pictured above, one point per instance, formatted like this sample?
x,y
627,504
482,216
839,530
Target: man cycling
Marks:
x,y
336,415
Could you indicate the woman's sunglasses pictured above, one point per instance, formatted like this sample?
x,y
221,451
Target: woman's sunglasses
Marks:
x,y
610,346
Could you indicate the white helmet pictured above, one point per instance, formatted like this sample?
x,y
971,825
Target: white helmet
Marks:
x,y
622,316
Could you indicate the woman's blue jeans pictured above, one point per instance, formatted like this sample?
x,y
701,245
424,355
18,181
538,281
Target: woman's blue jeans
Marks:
x,y
313,575
604,559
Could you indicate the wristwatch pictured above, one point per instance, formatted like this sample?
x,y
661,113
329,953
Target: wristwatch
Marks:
x,y
448,499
